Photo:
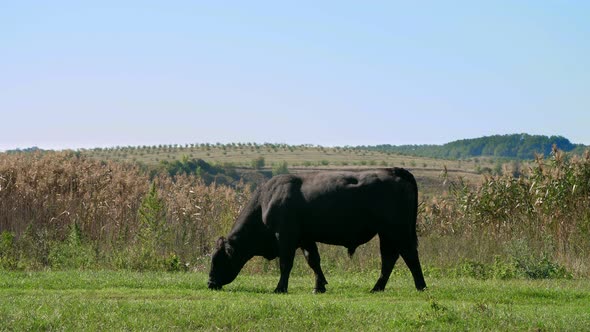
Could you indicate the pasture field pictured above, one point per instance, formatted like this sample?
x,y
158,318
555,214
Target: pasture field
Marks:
x,y
241,155
110,300
297,157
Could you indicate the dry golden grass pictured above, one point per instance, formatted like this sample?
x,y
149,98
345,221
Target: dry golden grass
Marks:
x,y
43,195
544,213
46,199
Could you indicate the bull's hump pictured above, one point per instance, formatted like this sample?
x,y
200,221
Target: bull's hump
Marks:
x,y
282,180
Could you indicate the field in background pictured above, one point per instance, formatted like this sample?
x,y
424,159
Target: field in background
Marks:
x,y
110,300
302,155
303,158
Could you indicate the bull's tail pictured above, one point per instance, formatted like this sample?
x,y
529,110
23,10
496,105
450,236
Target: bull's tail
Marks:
x,y
406,175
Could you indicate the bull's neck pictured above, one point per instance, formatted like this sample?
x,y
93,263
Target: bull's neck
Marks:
x,y
243,236
250,236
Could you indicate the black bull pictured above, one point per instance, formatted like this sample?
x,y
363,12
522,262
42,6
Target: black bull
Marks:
x,y
339,208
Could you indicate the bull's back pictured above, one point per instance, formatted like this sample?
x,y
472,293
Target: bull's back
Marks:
x,y
350,208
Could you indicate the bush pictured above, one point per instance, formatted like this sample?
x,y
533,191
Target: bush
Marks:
x,y
532,267
173,264
535,266
72,253
258,163
8,259
34,247
280,168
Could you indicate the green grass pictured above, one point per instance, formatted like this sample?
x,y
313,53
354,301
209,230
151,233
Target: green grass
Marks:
x,y
88,300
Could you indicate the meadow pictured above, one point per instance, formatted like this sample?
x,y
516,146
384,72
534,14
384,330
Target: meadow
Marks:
x,y
109,300
91,241
241,154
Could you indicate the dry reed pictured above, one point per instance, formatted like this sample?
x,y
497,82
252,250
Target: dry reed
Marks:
x,y
48,199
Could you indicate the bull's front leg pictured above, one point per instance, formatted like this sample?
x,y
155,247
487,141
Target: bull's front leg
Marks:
x,y
286,256
287,238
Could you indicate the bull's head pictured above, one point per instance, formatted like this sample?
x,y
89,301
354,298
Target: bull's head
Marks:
x,y
225,264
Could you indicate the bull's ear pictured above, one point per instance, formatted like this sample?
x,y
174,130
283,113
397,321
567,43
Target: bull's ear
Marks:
x,y
220,242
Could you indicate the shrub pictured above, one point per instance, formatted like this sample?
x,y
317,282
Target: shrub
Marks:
x,y
534,265
530,267
280,168
8,259
173,264
72,253
258,163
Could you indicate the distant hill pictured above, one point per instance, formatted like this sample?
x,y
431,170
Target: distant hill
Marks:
x,y
517,146
514,146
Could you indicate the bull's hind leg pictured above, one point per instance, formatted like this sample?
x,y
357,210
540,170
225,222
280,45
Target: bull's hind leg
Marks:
x,y
410,256
310,251
389,256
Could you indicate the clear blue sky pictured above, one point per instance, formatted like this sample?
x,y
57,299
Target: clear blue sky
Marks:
x,y
79,74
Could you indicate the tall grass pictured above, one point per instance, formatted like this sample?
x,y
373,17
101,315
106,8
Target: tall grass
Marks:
x,y
64,210
45,197
542,215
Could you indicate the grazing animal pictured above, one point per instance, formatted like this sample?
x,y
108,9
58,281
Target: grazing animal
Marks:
x,y
338,208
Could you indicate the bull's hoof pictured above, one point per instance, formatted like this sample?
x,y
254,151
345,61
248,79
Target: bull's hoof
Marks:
x,y
280,290
377,289
213,286
422,289
319,290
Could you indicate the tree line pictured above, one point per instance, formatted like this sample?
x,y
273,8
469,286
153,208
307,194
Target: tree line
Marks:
x,y
516,146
